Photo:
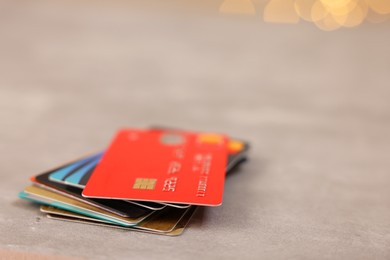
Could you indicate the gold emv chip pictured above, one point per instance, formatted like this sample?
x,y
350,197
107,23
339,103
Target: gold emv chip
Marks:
x,y
144,184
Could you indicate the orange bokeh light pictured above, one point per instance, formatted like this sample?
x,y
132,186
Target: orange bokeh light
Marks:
x,y
327,15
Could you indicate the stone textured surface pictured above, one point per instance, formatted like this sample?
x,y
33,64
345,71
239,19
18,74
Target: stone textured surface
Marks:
x,y
314,105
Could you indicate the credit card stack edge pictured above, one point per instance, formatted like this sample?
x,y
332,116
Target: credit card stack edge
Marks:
x,y
147,180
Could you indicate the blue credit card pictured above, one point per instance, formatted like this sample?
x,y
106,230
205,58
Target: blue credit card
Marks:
x,y
80,177
77,173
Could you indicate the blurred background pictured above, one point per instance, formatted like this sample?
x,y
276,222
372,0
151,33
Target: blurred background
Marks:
x,y
211,64
307,82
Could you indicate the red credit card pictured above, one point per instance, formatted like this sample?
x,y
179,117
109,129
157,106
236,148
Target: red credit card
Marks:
x,y
163,166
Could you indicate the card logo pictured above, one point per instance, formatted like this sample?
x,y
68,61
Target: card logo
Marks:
x,y
235,146
144,184
206,138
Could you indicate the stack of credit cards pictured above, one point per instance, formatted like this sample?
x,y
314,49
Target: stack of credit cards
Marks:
x,y
149,180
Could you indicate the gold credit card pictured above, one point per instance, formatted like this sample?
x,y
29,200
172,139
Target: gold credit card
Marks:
x,y
178,228
162,221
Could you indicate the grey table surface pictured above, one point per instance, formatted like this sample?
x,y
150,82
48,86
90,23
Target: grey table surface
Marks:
x,y
314,105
